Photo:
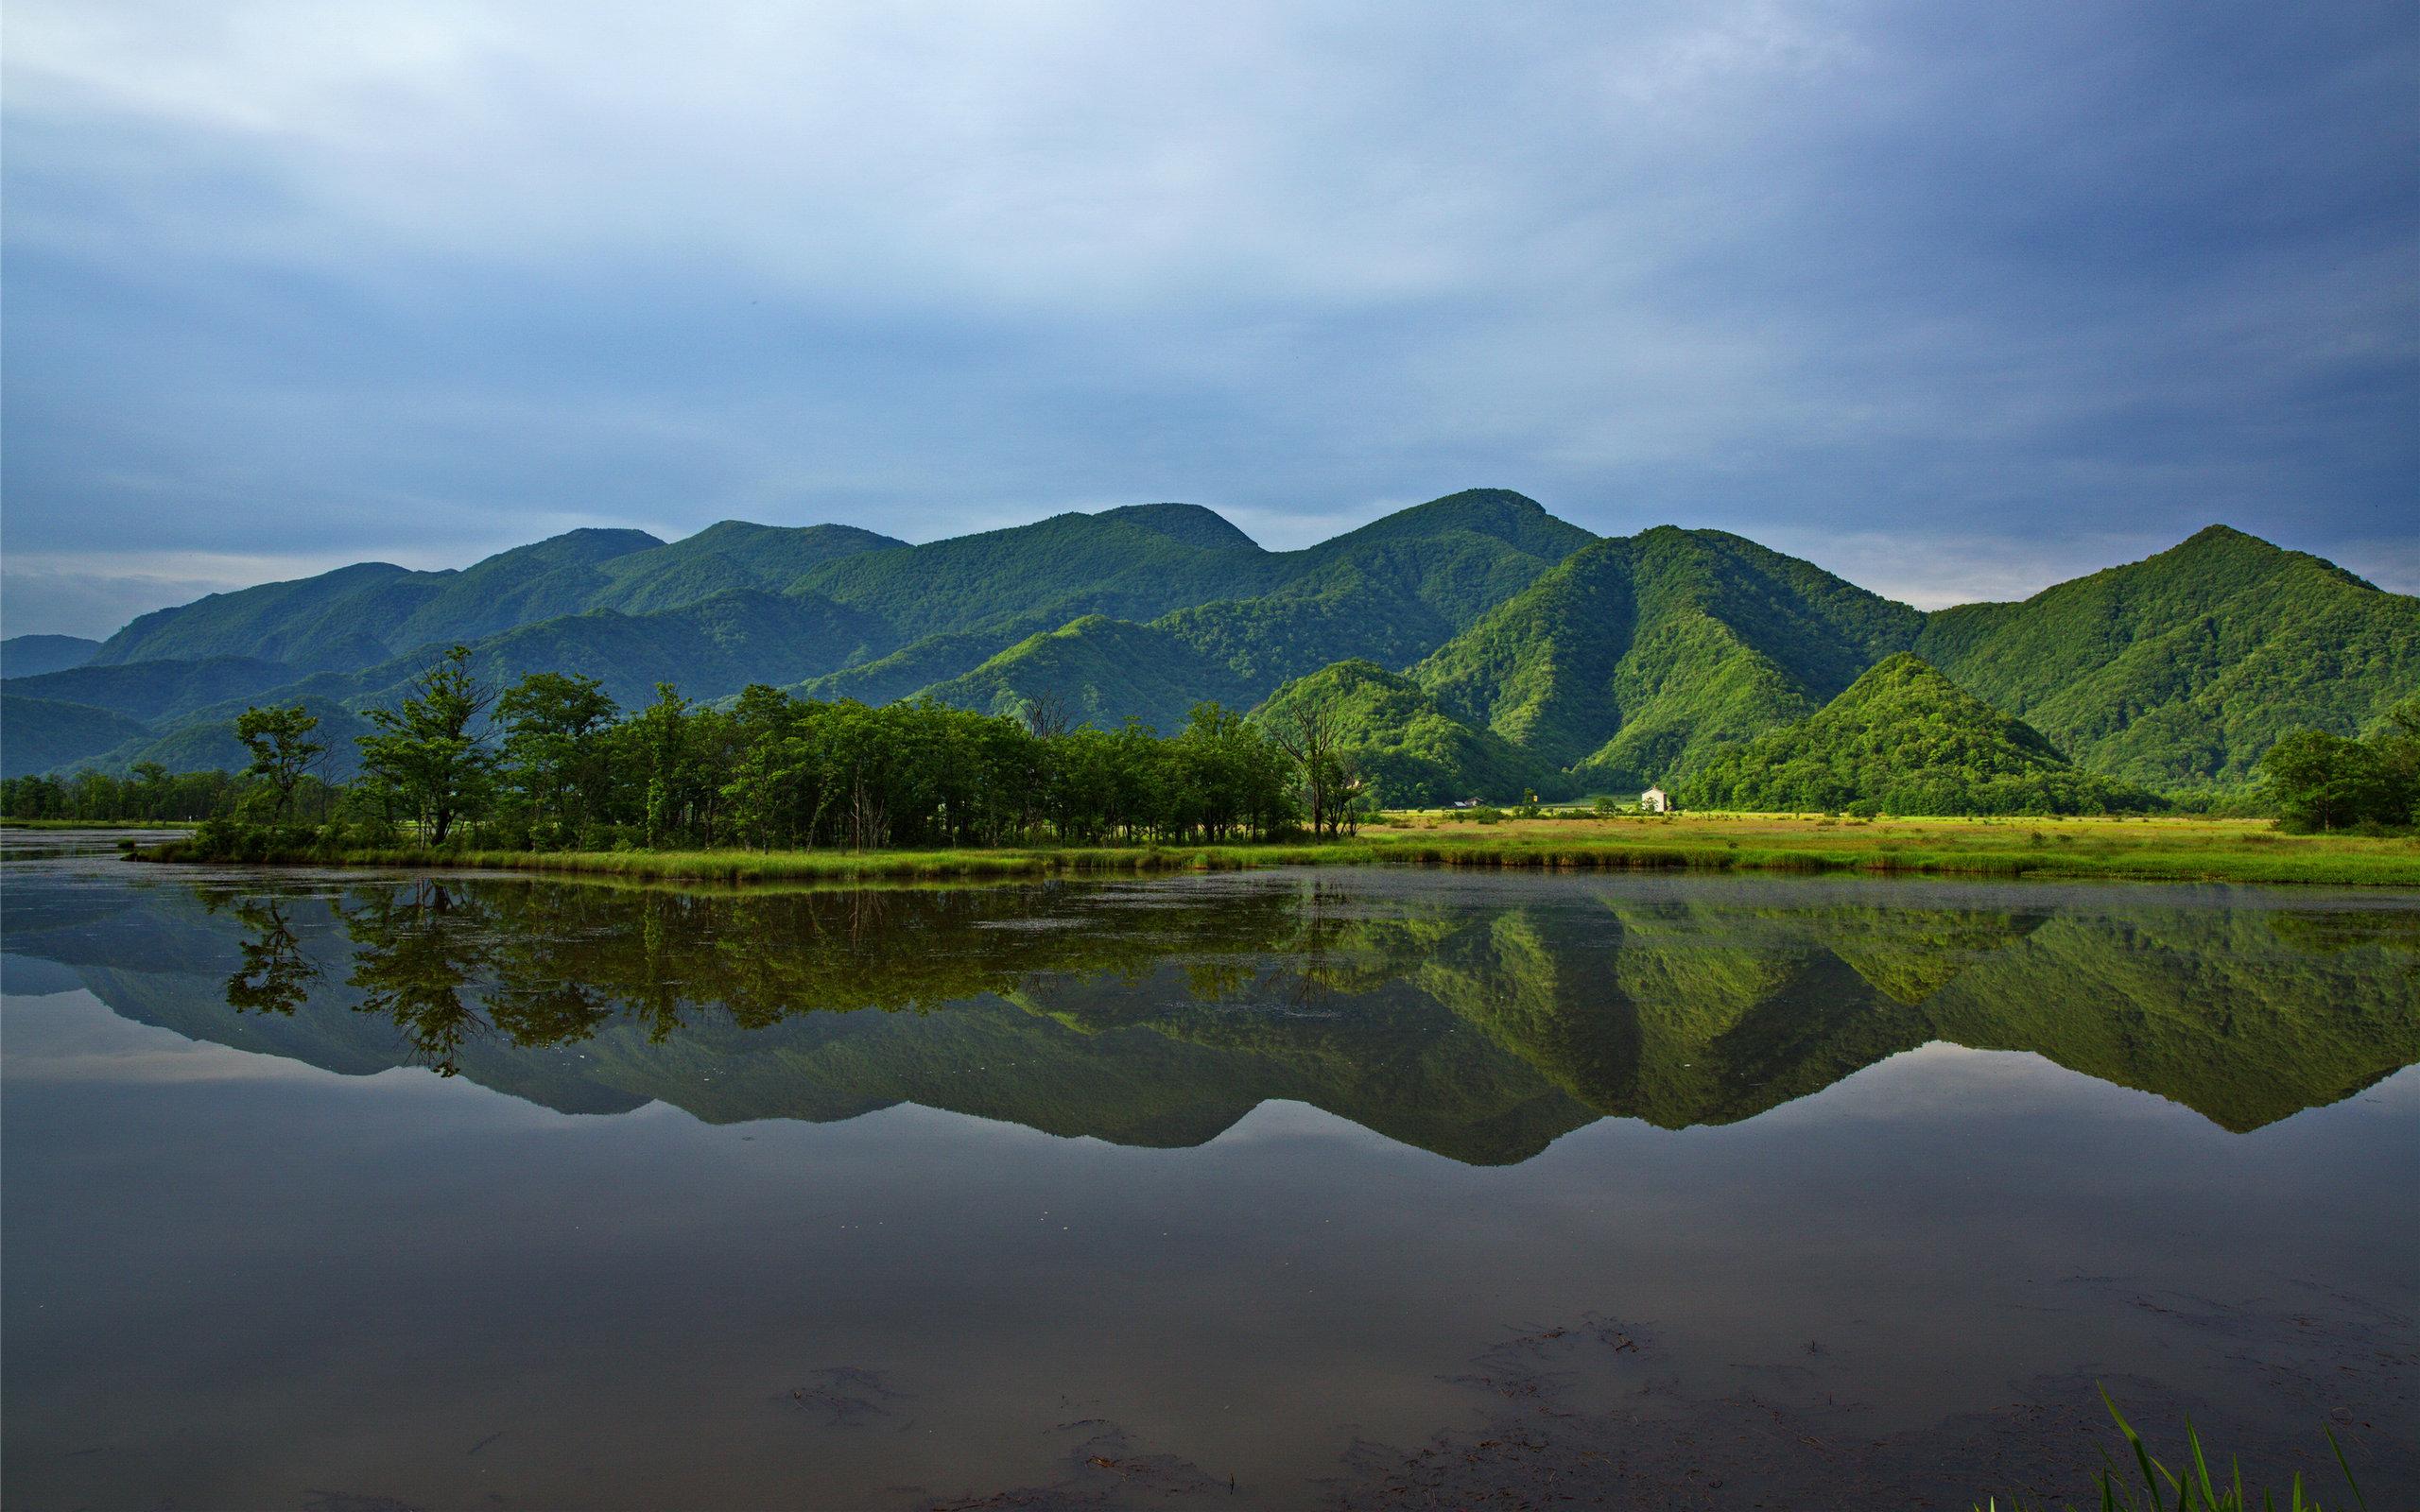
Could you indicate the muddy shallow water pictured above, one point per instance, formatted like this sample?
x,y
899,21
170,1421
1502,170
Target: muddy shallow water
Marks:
x,y
1378,1188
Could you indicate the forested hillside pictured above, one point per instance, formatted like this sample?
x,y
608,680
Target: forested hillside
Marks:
x,y
835,613
1474,645
39,733
146,691
1904,739
1101,672
1411,752
1638,655
2187,666
1391,591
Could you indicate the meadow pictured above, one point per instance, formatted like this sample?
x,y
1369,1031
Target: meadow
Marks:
x,y
2144,849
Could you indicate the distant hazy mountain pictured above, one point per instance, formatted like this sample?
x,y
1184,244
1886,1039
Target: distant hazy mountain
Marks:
x,y
30,656
40,733
147,691
1478,645
358,616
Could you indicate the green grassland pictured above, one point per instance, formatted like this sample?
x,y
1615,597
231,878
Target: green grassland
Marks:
x,y
96,824
2149,848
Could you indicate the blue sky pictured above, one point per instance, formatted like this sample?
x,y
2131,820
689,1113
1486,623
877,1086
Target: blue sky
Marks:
x,y
1955,300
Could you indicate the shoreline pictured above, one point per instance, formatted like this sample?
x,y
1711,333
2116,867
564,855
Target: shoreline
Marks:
x,y
100,824
2159,849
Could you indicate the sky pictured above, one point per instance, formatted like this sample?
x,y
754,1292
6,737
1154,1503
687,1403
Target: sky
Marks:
x,y
1955,300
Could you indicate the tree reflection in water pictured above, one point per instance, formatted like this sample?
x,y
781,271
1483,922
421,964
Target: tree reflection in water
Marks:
x,y
276,977
1479,1024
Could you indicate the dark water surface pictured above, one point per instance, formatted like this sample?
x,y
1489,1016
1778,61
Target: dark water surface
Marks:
x,y
1369,1188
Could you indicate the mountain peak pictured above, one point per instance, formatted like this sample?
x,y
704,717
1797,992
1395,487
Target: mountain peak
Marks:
x,y
2225,548
588,544
2226,540
1188,524
1514,519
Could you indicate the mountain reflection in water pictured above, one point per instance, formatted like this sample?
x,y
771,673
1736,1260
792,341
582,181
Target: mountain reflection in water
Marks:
x,y
1476,1018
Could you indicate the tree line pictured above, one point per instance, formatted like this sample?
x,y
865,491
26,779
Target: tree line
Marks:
x,y
2320,782
553,763
149,794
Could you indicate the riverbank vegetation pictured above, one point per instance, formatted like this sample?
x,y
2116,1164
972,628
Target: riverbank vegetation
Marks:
x,y
2323,783
550,774
2156,849
551,763
150,795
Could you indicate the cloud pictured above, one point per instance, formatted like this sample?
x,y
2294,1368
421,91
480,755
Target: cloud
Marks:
x,y
285,279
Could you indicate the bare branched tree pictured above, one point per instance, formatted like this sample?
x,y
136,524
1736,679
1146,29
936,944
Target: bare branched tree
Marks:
x,y
1308,732
1046,718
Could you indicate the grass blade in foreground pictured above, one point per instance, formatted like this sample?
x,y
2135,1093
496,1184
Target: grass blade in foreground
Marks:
x,y
2193,1493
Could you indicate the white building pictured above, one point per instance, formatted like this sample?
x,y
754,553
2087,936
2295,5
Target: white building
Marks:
x,y
1654,801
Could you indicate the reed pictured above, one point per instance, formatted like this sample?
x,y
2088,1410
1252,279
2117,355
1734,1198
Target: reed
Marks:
x,y
2190,1487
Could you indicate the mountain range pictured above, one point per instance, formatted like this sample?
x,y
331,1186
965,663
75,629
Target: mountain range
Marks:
x,y
1474,644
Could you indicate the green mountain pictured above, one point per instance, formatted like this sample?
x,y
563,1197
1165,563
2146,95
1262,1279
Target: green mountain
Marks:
x,y
30,656
733,554
1129,564
1100,672
919,664
1638,655
1455,555
357,618
1389,591
1908,739
330,622
527,583
1585,664
1414,752
2187,666
37,734
718,645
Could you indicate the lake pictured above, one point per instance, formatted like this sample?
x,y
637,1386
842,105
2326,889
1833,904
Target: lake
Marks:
x,y
1372,1188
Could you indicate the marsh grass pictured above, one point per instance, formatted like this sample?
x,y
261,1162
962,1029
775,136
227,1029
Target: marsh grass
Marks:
x,y
2170,849
2192,1488
98,824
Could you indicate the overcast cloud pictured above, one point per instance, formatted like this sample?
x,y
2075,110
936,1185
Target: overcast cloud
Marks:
x,y
1956,301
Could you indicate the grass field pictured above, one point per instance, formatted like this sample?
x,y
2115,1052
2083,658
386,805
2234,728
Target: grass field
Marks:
x,y
96,824
2187,849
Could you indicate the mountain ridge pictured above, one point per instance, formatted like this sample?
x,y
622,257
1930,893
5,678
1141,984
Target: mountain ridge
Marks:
x,y
1474,624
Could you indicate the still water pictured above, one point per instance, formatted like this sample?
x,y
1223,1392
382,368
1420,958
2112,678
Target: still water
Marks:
x,y
1356,1189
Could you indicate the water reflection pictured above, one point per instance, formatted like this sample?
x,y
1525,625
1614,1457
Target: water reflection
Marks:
x,y
1479,1019
275,977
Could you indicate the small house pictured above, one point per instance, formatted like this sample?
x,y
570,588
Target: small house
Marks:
x,y
1654,801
